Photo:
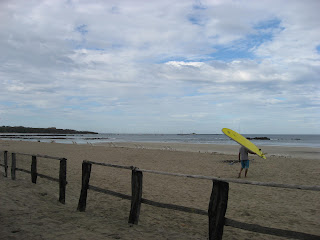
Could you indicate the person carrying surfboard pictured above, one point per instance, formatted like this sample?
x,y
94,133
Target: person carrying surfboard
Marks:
x,y
244,159
247,147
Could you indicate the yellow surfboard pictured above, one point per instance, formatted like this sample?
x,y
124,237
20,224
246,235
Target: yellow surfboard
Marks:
x,y
243,141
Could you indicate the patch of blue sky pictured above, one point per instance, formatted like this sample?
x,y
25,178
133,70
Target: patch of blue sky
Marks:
x,y
82,29
241,49
255,40
268,24
115,10
231,53
195,19
198,5
318,49
280,98
8,103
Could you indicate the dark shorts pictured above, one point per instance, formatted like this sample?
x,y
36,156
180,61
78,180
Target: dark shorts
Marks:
x,y
245,164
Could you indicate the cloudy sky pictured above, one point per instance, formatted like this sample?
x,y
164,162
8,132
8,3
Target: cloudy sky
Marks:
x,y
164,66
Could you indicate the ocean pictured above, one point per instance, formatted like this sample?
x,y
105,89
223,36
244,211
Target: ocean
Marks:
x,y
270,139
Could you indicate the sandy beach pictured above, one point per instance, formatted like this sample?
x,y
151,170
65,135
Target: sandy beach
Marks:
x,y
32,211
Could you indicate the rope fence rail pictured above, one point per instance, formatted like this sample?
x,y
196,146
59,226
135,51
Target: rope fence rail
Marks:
x,y
217,203
269,184
40,156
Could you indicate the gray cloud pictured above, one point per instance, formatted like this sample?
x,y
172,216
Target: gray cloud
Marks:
x,y
162,65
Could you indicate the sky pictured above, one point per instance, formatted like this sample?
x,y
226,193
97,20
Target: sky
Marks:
x,y
184,66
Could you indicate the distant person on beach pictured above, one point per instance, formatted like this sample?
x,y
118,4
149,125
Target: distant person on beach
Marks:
x,y
244,159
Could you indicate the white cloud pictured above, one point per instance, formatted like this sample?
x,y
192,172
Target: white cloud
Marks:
x,y
180,64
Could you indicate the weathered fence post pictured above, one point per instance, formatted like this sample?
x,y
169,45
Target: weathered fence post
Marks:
x,y
62,180
217,209
5,161
34,173
136,187
86,171
13,166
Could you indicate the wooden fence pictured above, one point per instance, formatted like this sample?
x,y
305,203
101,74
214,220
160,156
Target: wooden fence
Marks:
x,y
217,203
62,180
5,163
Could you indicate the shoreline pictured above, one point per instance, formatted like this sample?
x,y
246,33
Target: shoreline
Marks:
x,y
299,152
270,151
307,141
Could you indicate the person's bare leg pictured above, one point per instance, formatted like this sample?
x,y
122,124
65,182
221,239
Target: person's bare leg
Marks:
x,y
245,173
239,176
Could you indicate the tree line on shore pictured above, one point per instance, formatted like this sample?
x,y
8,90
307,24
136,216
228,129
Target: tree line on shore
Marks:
x,y
21,129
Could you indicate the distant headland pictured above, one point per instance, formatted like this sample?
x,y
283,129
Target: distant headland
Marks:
x,y
51,130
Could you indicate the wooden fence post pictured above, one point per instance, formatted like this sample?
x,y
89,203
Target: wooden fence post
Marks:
x,y
217,209
86,171
136,187
13,166
34,173
62,180
5,160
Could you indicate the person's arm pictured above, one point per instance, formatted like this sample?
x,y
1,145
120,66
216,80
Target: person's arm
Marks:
x,y
239,157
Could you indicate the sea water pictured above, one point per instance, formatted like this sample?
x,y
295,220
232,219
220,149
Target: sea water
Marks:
x,y
273,139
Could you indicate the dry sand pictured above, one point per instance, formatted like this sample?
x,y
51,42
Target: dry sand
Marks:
x,y
32,211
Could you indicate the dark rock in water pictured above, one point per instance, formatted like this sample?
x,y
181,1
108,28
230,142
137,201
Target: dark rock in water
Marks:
x,y
258,138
